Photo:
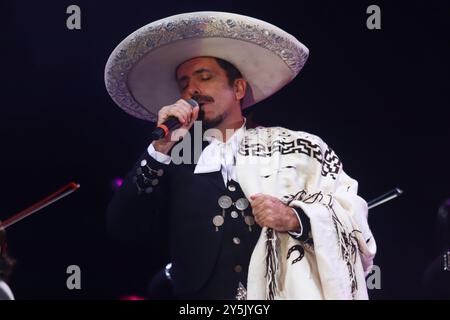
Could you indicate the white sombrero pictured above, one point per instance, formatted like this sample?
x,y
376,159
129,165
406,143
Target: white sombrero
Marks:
x,y
140,73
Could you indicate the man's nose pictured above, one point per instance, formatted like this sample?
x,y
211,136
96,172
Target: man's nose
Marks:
x,y
192,90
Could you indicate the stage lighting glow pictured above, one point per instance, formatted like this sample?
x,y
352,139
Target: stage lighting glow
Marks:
x,y
117,183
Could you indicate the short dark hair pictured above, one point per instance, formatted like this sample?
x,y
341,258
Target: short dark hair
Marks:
x,y
232,72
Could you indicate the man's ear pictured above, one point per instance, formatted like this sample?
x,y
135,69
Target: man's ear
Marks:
x,y
240,86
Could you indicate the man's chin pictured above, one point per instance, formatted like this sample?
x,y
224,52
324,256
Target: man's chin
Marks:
x,y
209,123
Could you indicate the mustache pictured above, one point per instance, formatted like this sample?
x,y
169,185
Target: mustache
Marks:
x,y
202,99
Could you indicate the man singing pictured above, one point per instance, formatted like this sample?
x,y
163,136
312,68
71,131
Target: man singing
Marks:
x,y
256,213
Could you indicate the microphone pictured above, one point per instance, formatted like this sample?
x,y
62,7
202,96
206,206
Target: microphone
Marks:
x,y
171,123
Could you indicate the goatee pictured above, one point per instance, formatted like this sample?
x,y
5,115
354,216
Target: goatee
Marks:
x,y
209,123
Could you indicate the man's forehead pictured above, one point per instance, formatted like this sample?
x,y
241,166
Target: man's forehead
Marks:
x,y
196,63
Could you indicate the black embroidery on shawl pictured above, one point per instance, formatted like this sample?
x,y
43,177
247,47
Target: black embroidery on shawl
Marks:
x,y
291,197
271,264
300,250
329,160
278,171
304,197
331,164
348,245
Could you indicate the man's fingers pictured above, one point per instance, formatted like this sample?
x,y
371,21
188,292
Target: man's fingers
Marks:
x,y
181,116
185,114
187,107
264,221
258,223
256,200
261,204
256,195
268,211
261,213
194,115
182,110
166,113
258,207
183,103
259,197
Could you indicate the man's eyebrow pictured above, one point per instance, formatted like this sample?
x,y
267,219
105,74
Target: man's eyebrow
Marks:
x,y
201,70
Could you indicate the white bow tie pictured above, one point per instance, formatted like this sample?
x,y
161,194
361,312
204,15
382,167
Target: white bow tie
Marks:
x,y
217,156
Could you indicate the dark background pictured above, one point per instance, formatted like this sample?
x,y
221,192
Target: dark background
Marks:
x,y
378,97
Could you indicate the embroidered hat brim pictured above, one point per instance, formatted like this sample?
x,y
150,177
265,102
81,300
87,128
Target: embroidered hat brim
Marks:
x,y
140,72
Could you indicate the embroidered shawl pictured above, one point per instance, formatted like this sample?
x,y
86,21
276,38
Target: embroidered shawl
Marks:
x,y
303,172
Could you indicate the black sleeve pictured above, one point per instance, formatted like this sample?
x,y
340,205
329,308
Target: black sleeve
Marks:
x,y
139,205
306,225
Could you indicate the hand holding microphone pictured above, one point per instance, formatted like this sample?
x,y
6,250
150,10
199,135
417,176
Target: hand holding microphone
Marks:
x,y
174,121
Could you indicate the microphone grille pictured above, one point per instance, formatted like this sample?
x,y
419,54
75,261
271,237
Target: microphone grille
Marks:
x,y
192,102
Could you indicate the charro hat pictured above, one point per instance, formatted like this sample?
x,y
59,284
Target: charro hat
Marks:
x,y
140,72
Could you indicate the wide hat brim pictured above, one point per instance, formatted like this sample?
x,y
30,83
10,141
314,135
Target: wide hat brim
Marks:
x,y
140,72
